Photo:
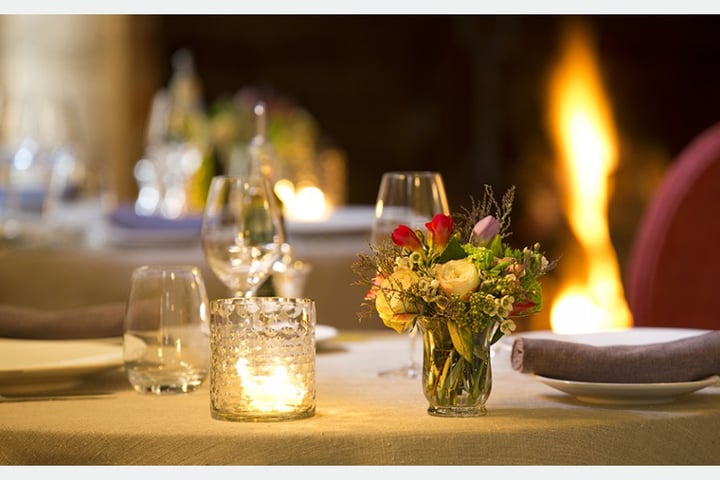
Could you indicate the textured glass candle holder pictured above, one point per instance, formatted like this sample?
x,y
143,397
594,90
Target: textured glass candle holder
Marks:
x,y
262,352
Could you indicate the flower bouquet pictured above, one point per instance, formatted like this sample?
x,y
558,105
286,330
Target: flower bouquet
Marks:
x,y
463,285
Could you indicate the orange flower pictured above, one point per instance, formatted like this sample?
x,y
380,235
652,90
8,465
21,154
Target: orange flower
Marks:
x,y
372,292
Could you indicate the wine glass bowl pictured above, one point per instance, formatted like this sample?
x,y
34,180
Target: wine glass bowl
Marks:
x,y
242,232
409,198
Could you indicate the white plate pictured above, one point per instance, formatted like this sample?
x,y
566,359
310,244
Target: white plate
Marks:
x,y
346,219
628,393
631,336
324,333
618,393
33,366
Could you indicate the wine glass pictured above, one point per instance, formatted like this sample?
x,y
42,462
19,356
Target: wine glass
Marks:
x,y
242,231
410,198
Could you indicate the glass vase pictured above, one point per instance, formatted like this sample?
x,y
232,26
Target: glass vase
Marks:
x,y
453,385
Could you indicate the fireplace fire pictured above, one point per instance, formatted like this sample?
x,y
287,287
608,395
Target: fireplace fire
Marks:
x,y
590,295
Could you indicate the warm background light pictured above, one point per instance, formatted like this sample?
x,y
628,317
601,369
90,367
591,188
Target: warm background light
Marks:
x,y
306,203
591,298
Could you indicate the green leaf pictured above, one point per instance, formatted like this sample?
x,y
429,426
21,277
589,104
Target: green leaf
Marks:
x,y
496,246
442,380
462,340
455,375
453,251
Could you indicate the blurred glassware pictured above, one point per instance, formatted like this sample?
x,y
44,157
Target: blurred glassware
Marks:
x,y
175,171
309,175
290,275
242,231
410,198
41,162
259,165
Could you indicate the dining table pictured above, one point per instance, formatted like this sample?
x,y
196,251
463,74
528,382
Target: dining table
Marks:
x,y
361,418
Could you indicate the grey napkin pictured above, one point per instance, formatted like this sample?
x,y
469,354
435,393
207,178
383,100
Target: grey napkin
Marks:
x,y
683,360
95,321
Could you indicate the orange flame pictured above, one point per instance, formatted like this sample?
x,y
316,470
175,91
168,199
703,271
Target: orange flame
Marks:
x,y
582,126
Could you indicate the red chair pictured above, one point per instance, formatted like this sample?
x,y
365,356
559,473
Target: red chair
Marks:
x,y
673,276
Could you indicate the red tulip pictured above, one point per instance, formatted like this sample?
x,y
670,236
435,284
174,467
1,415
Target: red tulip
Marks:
x,y
523,308
404,236
440,229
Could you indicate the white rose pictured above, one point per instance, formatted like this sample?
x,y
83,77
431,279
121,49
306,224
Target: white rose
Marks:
x,y
458,277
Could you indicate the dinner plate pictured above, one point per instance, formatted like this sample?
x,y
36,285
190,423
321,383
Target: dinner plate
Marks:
x,y
343,220
628,336
628,393
33,366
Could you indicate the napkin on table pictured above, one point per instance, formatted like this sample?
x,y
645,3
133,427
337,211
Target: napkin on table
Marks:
x,y
97,321
683,360
125,216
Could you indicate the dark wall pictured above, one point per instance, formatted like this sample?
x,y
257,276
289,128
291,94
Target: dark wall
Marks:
x,y
459,94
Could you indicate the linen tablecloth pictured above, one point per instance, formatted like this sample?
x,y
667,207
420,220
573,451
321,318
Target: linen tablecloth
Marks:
x,y
363,419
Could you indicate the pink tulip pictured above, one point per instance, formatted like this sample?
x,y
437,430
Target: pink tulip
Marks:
x,y
484,230
404,236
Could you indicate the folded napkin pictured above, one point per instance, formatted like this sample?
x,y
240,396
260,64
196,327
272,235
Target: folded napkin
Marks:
x,y
96,321
683,360
125,216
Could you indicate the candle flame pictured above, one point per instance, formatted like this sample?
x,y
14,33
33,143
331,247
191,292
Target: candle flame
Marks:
x,y
582,126
274,392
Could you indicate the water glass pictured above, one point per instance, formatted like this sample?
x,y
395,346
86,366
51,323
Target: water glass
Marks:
x,y
166,343
262,358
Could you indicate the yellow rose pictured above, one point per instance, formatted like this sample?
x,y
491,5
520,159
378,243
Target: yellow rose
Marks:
x,y
458,277
396,312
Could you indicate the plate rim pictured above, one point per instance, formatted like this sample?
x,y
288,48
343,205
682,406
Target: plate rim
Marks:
x,y
609,393
109,356
626,386
331,332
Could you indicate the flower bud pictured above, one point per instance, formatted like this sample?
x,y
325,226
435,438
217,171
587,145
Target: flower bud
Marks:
x,y
440,229
484,231
404,236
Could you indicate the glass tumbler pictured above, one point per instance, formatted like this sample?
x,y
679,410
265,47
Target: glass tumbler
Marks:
x,y
262,358
166,340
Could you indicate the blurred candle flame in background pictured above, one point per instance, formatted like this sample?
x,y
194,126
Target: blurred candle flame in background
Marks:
x,y
591,296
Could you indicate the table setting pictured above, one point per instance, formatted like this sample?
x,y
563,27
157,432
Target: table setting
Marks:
x,y
640,366
171,374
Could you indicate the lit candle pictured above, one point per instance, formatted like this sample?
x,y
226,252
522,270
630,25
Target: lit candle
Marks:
x,y
262,352
275,392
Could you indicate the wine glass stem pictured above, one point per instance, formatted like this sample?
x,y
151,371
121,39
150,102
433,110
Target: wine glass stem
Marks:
x,y
412,363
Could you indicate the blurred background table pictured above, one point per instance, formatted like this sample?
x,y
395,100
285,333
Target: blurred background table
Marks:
x,y
93,265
